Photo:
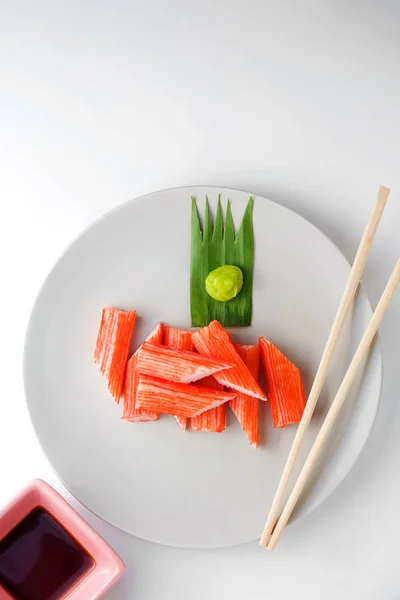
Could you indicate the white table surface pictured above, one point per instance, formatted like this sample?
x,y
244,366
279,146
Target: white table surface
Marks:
x,y
101,101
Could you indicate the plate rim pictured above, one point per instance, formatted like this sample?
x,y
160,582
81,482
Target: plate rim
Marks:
x,y
308,509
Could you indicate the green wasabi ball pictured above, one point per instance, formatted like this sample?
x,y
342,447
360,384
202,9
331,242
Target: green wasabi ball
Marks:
x,y
224,283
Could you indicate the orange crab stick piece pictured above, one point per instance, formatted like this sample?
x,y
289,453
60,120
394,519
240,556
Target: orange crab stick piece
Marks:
x,y
180,340
180,366
112,346
244,407
284,385
131,381
182,399
213,341
214,419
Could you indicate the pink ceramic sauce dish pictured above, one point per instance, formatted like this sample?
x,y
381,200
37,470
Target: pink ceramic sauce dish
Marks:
x,y
48,552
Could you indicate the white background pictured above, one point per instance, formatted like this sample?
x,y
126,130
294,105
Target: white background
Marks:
x,y
297,101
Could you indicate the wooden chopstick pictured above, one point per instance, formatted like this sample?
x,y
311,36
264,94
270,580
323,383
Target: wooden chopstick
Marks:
x,y
344,306
337,403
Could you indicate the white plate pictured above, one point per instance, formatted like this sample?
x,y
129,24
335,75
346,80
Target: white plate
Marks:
x,y
150,479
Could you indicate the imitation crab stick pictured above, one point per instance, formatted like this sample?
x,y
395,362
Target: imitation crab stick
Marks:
x,y
182,422
180,340
112,346
244,407
284,385
214,341
214,419
180,366
131,380
182,399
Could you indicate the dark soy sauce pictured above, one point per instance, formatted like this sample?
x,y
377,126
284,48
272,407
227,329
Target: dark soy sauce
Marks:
x,y
40,560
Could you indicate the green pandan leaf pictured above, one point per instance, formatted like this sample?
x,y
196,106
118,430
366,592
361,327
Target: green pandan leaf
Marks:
x,y
215,247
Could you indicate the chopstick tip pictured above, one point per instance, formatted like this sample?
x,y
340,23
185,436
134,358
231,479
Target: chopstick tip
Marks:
x,y
383,193
265,543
